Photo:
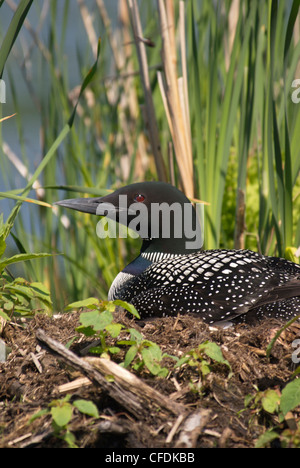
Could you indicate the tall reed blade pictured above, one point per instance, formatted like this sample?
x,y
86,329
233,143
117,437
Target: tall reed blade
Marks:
x,y
13,31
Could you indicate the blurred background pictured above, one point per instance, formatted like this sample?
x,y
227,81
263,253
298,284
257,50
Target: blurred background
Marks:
x,y
197,93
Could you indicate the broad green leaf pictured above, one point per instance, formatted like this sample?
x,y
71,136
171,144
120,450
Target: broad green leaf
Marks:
x,y
8,306
62,415
152,357
129,307
4,315
266,438
182,361
114,350
85,303
40,291
97,320
290,396
270,401
213,351
87,407
114,329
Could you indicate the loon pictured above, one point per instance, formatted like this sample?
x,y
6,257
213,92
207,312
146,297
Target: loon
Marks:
x,y
172,274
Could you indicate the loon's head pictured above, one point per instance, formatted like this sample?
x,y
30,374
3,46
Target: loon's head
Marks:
x,y
160,213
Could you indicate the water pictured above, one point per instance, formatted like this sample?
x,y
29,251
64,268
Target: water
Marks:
x,y
22,133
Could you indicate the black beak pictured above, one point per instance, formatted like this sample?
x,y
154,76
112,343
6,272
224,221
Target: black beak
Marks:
x,y
101,206
86,205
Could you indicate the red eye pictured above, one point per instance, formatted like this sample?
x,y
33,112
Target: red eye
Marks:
x,y
139,198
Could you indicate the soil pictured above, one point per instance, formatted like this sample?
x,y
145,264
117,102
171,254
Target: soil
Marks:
x,y
32,377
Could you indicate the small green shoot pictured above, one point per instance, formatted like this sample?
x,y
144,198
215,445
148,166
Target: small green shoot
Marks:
x,y
267,400
99,322
18,296
143,353
61,412
279,404
204,358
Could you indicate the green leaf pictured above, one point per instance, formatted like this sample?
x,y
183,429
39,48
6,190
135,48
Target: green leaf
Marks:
x,y
114,349
9,305
182,361
87,407
89,77
130,355
4,315
152,356
97,320
2,246
290,397
205,368
9,194
248,399
21,258
213,351
87,331
38,414
85,303
62,415
114,329
289,254
135,335
13,31
266,438
270,401
70,439
129,307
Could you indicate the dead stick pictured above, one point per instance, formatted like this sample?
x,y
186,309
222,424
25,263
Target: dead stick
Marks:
x,y
125,388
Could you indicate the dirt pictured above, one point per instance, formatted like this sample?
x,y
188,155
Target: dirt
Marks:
x,y
32,378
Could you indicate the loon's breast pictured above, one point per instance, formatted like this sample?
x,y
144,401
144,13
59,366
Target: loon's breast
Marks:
x,y
122,281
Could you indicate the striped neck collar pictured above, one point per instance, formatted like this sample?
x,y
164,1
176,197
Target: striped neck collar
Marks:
x,y
157,256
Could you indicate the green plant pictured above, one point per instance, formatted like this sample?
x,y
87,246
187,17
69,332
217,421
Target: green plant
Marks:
x,y
61,412
267,400
144,353
278,404
204,359
18,296
99,322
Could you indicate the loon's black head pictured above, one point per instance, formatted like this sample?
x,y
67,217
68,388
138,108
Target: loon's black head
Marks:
x,y
160,213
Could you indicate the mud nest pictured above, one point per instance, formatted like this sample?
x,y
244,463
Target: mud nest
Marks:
x,y
32,377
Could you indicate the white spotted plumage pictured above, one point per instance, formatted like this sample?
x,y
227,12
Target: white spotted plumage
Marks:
x,y
217,285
